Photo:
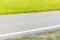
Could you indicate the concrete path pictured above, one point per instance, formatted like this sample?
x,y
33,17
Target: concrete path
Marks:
x,y
22,22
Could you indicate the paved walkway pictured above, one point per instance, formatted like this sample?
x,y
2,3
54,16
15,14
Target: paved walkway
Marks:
x,y
22,22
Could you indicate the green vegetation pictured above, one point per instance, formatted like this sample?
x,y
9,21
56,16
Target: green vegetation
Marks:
x,y
23,6
51,35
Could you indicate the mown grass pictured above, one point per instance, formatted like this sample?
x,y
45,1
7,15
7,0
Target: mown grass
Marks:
x,y
50,35
23,6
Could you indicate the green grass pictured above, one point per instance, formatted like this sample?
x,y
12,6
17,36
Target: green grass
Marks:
x,y
23,6
51,35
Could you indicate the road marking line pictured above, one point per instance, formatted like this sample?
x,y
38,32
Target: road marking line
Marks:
x,y
33,30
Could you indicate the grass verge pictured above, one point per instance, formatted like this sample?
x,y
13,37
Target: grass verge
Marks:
x,y
23,6
50,35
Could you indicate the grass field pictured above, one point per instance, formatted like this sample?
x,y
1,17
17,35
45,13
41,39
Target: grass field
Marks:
x,y
23,6
51,35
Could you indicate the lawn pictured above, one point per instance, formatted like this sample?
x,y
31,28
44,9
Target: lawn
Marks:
x,y
23,6
50,35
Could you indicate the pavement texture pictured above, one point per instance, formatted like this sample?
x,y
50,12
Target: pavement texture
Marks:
x,y
22,22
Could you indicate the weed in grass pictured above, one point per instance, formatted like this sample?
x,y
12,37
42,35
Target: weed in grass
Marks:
x,y
49,38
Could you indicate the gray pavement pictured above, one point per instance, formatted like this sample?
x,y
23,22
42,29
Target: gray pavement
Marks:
x,y
22,22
